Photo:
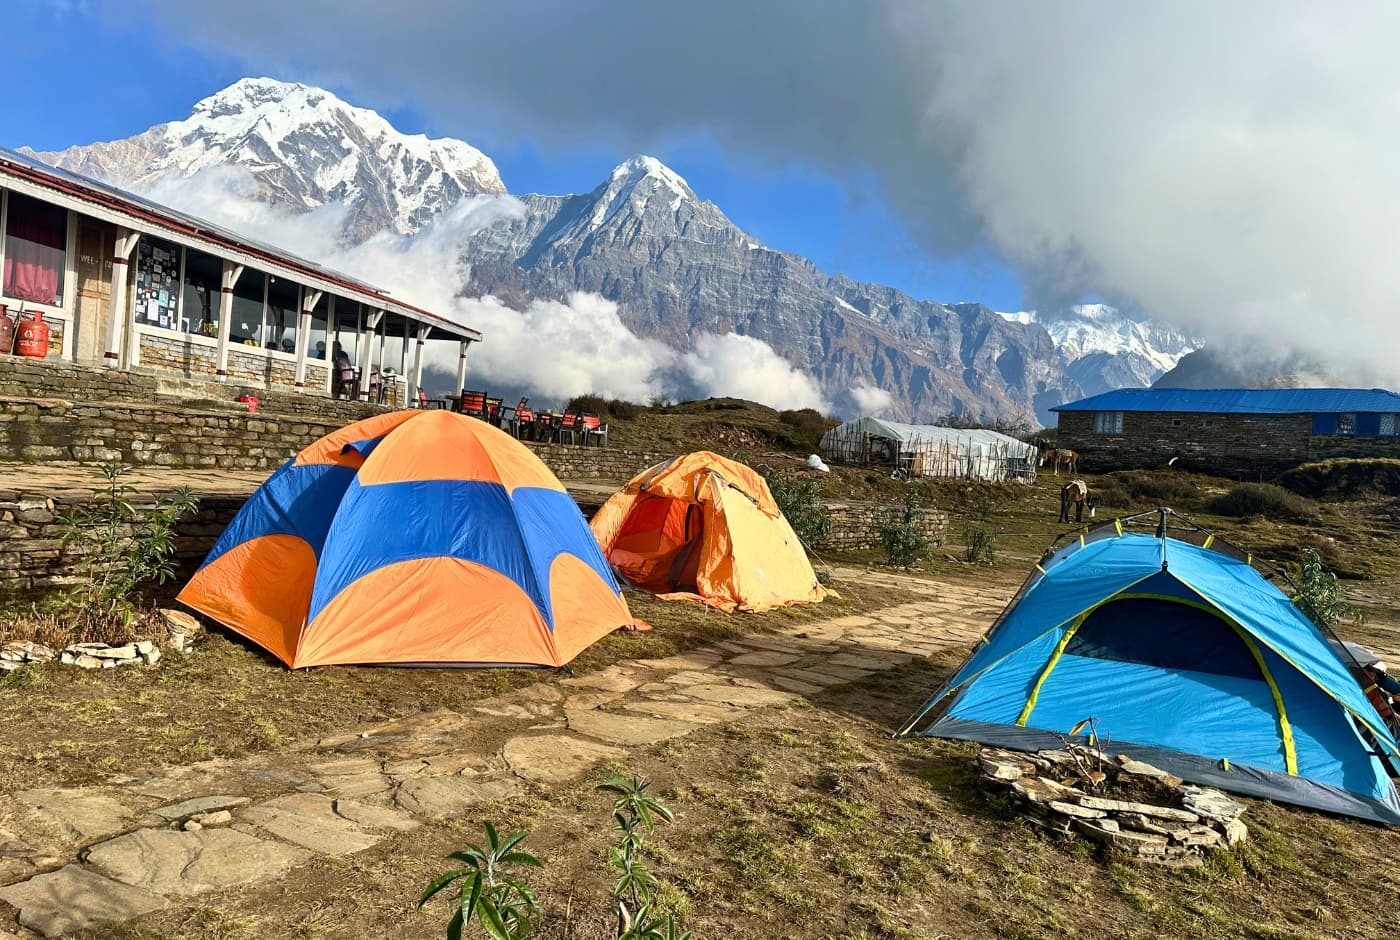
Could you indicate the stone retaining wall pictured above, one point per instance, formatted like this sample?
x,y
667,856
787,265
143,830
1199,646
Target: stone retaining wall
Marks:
x,y
855,526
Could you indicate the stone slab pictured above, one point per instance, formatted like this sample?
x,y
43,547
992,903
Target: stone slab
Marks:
x,y
203,804
434,797
311,820
1141,809
84,814
626,729
693,660
75,898
181,864
765,659
556,758
746,696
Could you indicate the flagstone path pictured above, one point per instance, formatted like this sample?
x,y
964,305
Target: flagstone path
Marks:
x,y
72,858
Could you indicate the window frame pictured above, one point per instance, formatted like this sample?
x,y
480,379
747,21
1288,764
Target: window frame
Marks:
x,y
60,312
1108,422
1346,424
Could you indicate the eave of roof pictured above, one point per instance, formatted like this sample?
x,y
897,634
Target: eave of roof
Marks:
x,y
122,208
1240,400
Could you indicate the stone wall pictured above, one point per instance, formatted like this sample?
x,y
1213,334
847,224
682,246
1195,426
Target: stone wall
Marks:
x,y
196,357
33,561
856,526
573,462
1225,444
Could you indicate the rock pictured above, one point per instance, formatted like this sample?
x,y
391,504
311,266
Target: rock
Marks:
x,y
1073,810
178,622
192,825
434,797
556,758
312,821
67,658
10,665
186,863
1139,768
1143,809
73,898
746,696
127,651
997,767
84,661
30,651
84,813
1141,824
1212,804
764,659
1197,835
152,657
1235,832
145,647
217,818
1041,790
1125,840
202,804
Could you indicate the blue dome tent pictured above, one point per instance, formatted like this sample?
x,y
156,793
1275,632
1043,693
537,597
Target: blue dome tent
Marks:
x,y
1188,658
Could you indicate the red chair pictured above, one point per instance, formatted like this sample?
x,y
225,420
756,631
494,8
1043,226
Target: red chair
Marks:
x,y
493,411
594,429
474,404
422,400
523,420
569,423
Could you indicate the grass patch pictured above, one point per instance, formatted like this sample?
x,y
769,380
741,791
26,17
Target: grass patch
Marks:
x,y
1261,499
1345,478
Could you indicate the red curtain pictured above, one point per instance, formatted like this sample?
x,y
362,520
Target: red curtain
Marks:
x,y
34,250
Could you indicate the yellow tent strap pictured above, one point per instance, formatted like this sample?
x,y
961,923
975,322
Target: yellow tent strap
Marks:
x,y
1025,715
1082,543
1210,539
1118,524
1290,755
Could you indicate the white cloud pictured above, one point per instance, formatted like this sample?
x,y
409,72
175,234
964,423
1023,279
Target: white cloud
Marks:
x,y
869,400
743,367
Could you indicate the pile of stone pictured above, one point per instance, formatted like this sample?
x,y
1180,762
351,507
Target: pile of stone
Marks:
x,y
1064,792
180,629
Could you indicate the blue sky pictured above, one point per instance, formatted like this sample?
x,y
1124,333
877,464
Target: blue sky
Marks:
x,y
75,76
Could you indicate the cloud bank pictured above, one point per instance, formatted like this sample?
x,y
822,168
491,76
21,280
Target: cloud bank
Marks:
x,y
551,351
1226,168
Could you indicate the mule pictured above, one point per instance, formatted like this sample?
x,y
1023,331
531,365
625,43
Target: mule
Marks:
x,y
1060,457
1076,493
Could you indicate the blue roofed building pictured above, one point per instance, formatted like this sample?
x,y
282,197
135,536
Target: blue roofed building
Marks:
x,y
1229,430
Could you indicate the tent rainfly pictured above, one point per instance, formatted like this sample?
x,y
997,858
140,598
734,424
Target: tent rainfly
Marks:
x,y
931,451
1186,657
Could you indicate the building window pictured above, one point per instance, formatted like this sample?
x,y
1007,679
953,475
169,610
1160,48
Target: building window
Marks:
x,y
1208,424
1108,422
316,344
283,312
1390,426
157,283
1176,422
199,307
36,236
249,294
1346,423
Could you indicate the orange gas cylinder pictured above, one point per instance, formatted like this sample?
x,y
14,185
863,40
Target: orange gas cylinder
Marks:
x,y
7,332
33,336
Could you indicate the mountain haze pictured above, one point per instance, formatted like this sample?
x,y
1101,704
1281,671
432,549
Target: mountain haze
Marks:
x,y
675,265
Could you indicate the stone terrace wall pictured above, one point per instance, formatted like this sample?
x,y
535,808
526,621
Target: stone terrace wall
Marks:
x,y
570,462
32,560
857,525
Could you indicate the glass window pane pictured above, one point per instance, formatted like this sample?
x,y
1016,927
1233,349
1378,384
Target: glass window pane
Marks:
x,y
246,327
36,237
283,311
316,347
157,299
199,311
1346,424
1388,423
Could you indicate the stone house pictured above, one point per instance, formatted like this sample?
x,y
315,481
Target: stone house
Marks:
x,y
128,284
1231,431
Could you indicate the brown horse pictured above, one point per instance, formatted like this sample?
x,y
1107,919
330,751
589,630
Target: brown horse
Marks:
x,y
1076,493
1059,457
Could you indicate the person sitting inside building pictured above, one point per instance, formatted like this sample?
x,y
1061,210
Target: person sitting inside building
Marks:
x,y
342,373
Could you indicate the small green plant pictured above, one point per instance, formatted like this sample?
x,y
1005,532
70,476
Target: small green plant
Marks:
x,y
800,500
122,546
1319,592
980,542
902,533
636,812
503,904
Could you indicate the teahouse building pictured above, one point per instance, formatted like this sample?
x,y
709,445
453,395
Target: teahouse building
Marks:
x,y
127,283
1229,430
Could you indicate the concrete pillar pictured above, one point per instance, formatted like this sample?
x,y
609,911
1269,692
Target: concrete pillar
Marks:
x,y
462,368
232,272
367,350
417,381
122,319
309,300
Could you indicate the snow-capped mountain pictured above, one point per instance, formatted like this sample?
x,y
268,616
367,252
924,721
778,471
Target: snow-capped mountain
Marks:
x,y
1105,348
674,263
306,148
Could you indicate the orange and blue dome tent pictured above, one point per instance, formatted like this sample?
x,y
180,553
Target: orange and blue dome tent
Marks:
x,y
412,538
705,528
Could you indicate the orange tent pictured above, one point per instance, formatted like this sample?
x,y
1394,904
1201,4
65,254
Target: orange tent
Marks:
x,y
415,537
702,527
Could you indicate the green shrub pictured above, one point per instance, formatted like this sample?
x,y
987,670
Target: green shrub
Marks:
x,y
623,410
1319,592
800,499
1260,499
123,547
902,533
808,426
503,903
980,542
1132,489
637,812
1345,478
